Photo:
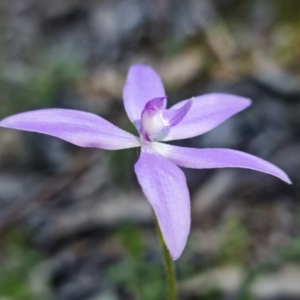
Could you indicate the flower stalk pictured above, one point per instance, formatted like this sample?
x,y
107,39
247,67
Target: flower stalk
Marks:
x,y
169,265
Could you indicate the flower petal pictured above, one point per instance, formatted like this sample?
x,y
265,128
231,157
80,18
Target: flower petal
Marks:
x,y
164,185
172,117
77,127
217,158
142,84
207,112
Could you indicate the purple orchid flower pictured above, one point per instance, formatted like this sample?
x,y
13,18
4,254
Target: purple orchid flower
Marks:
x,y
157,170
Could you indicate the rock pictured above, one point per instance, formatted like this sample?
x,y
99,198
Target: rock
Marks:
x,y
101,88
81,286
227,280
227,135
213,193
112,210
75,277
95,176
181,68
56,8
13,151
16,191
77,271
280,284
206,243
21,30
272,77
46,152
105,295
113,22
32,150
288,158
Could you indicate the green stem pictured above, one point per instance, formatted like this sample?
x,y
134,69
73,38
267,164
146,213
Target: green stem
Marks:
x,y
169,265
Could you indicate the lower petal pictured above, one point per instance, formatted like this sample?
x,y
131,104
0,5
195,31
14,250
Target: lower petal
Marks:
x,y
165,187
217,158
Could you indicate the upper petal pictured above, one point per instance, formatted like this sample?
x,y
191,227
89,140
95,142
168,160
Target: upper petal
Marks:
x,y
164,185
142,84
77,127
207,112
217,158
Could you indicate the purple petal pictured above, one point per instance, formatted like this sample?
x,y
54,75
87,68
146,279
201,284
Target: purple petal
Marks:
x,y
142,84
207,112
172,117
164,185
217,158
77,127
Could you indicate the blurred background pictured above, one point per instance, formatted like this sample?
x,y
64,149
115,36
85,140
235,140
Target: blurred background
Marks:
x,y
74,223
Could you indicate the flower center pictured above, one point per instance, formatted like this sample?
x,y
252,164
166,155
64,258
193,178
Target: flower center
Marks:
x,y
151,119
156,119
